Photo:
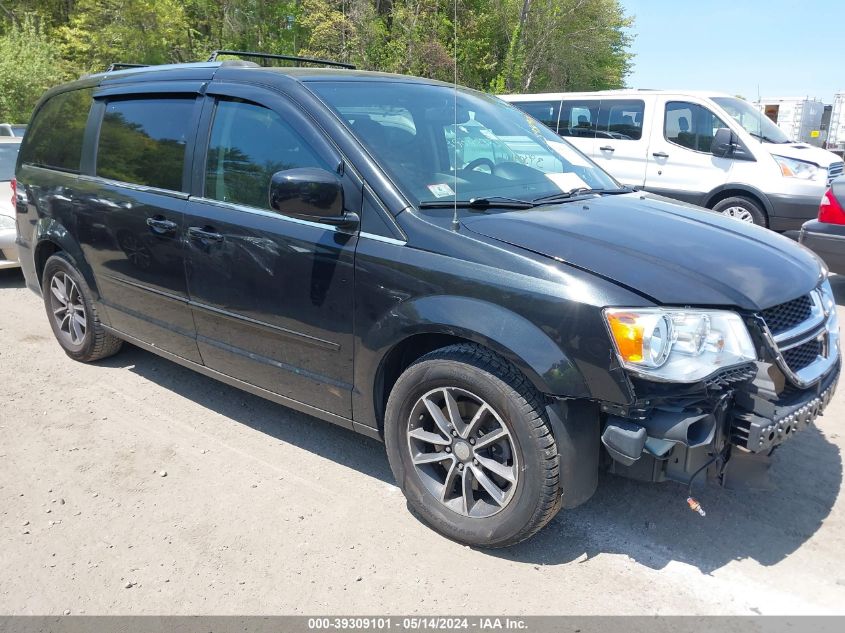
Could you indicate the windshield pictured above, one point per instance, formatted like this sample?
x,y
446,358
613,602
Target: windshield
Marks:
x,y
755,122
494,150
8,158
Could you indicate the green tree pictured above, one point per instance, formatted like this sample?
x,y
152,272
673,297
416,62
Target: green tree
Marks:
x,y
29,64
100,32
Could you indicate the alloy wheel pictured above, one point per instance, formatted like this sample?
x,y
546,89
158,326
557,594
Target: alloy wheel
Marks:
x,y
463,452
68,308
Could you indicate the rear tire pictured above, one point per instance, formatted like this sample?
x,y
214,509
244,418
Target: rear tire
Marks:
x,y
72,314
742,209
487,473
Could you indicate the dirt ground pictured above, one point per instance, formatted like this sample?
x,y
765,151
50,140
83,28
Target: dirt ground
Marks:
x,y
264,510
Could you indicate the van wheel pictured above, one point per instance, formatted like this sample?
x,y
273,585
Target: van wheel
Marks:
x,y
72,314
470,445
742,209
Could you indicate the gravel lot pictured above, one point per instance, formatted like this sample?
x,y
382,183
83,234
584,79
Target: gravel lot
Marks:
x,y
264,510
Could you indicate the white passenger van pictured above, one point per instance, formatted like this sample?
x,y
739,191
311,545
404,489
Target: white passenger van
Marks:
x,y
709,149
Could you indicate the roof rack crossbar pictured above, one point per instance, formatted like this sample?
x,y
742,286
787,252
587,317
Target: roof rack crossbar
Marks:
x,y
122,65
291,58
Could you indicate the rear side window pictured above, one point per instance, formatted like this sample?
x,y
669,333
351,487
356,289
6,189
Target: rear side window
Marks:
x,y
143,141
621,119
249,143
579,118
546,112
691,125
54,139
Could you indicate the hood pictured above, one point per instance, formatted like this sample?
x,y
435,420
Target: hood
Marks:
x,y
672,254
803,151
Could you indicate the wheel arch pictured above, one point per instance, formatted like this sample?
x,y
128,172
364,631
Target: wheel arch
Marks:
x,y
745,191
51,237
433,322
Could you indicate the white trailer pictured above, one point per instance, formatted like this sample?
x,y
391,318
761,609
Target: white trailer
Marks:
x,y
836,128
799,117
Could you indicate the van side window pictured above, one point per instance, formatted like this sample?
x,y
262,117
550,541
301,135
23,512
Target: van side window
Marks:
x,y
546,112
579,118
691,125
621,119
249,143
143,141
54,139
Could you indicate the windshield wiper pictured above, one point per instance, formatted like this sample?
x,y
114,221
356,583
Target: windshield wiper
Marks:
x,y
768,139
478,203
572,193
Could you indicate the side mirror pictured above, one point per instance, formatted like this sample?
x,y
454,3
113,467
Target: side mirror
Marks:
x,y
310,193
723,143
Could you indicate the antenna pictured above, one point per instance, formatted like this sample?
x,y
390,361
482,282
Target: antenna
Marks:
x,y
455,224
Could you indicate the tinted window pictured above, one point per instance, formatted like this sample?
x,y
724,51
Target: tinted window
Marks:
x,y
249,143
8,157
143,141
691,125
621,119
579,118
544,111
55,137
439,144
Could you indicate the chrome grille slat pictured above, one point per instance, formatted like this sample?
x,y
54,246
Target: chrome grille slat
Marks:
x,y
804,335
786,316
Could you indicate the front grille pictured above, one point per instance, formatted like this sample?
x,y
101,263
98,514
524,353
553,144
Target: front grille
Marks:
x,y
800,357
787,315
834,170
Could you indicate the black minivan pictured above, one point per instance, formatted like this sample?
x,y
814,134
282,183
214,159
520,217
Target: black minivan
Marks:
x,y
426,265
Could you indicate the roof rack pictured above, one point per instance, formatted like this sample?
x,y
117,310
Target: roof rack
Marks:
x,y
290,58
122,66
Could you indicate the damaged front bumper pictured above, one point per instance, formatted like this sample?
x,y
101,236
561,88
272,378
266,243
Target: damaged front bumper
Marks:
x,y
672,435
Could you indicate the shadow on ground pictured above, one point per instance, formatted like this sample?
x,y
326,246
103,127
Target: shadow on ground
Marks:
x,y
11,278
650,523
325,439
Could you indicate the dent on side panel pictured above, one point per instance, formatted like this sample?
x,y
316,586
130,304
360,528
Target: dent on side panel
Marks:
x,y
49,216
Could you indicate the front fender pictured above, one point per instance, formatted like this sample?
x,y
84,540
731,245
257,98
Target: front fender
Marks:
x,y
505,332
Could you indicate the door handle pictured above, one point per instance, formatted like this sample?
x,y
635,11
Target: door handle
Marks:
x,y
161,226
207,233
660,155
607,148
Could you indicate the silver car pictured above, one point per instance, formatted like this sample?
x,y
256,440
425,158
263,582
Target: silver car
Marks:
x,y
9,147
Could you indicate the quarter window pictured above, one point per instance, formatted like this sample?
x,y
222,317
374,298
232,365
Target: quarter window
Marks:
x,y
249,143
579,118
143,141
546,112
691,125
621,119
55,137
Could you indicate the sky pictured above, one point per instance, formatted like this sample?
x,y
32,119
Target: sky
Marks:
x,y
790,48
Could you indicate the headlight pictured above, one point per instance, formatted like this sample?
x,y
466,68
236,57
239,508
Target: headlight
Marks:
x,y
678,345
6,222
792,168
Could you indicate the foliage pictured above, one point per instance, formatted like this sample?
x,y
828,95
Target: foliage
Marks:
x,y
28,66
501,45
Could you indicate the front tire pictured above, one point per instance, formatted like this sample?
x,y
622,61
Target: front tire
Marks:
x,y
470,445
742,209
72,314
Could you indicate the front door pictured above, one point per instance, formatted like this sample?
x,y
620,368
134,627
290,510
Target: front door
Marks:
x,y
272,295
131,204
680,164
